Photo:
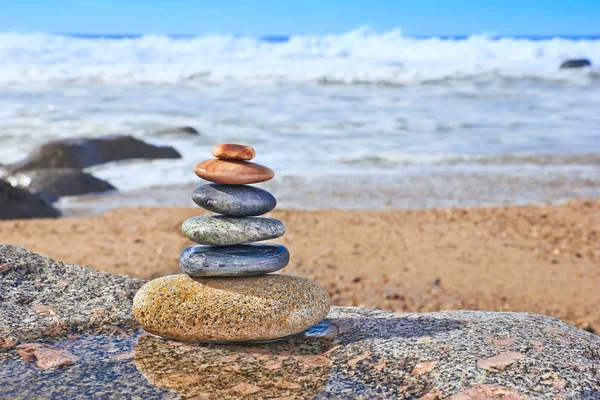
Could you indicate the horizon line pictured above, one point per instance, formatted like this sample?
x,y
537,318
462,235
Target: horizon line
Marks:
x,y
285,37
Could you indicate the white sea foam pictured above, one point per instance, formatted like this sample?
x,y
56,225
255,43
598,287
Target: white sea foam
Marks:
x,y
362,106
359,56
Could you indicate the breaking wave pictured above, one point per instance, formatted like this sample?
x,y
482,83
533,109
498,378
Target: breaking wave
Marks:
x,y
361,56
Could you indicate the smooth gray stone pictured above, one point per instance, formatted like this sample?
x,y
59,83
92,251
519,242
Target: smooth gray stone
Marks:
x,y
220,230
236,260
234,200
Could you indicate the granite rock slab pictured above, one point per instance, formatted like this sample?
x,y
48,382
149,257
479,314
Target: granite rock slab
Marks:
x,y
234,200
356,353
360,353
235,260
241,309
220,230
41,298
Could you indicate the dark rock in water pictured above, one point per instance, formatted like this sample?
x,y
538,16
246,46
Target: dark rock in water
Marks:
x,y
83,153
220,230
234,200
42,298
59,182
237,260
183,130
578,63
17,202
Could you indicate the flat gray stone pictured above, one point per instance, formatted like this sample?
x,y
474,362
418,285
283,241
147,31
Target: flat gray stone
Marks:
x,y
220,230
234,200
235,260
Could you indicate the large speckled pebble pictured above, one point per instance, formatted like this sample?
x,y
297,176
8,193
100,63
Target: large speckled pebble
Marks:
x,y
234,200
233,172
259,308
236,260
220,230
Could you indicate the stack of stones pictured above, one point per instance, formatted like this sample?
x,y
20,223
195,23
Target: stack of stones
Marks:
x,y
228,293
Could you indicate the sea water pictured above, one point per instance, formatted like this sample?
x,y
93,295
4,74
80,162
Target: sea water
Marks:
x,y
355,120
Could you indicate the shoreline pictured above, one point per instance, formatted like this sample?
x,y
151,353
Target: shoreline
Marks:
x,y
541,259
413,189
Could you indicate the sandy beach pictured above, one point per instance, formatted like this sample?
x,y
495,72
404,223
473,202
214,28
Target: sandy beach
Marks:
x,y
519,258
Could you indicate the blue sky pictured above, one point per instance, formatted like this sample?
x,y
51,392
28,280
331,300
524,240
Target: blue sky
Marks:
x,y
260,18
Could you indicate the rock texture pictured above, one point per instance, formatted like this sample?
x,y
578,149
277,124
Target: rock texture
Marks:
x,y
233,172
356,353
459,354
219,230
259,308
40,298
237,260
45,356
234,200
371,354
53,183
17,202
83,153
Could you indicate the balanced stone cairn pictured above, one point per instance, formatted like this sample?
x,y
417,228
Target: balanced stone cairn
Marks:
x,y
227,293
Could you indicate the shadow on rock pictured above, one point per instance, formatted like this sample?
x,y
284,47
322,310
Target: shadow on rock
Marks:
x,y
297,367
378,357
368,328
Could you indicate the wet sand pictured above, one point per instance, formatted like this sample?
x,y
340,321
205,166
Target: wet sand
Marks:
x,y
527,258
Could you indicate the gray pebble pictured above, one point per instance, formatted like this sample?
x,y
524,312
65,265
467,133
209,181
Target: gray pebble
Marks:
x,y
220,230
234,200
236,260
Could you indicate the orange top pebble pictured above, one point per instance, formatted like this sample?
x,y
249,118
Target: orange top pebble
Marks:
x,y
238,152
233,172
